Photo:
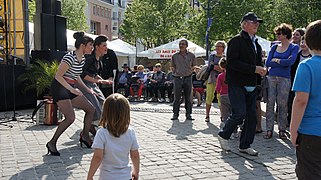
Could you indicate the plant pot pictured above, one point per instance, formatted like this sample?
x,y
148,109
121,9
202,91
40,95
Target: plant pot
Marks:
x,y
48,113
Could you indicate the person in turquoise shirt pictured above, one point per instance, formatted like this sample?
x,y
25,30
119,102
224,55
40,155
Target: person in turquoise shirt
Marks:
x,y
305,124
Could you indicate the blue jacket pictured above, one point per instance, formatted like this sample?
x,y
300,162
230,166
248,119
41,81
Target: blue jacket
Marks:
x,y
287,59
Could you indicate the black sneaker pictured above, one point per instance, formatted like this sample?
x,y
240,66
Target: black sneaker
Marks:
x,y
175,117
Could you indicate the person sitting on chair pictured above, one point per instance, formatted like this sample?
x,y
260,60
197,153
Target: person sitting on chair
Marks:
x,y
124,80
169,86
157,83
141,82
198,86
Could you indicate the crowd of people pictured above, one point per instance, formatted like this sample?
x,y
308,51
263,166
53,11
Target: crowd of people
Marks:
x,y
143,84
88,78
291,75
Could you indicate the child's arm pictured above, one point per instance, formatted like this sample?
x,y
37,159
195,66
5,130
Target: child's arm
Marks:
x,y
134,155
299,104
95,163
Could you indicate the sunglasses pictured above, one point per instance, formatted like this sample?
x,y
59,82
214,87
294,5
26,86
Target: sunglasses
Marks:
x,y
157,66
253,22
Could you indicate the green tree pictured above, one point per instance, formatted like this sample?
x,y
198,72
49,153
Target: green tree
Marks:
x,y
226,18
156,22
73,10
32,10
227,15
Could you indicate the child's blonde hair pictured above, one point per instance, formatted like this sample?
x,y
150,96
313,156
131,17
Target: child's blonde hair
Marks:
x,y
116,114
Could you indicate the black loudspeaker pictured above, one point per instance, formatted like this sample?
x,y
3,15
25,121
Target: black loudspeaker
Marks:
x,y
48,7
48,31
58,8
7,87
44,31
61,33
44,6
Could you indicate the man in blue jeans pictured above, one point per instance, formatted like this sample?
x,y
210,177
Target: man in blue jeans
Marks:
x,y
244,68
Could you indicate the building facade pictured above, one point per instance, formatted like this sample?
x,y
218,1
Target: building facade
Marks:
x,y
106,16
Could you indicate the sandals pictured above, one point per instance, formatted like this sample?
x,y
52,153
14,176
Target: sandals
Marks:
x,y
268,135
282,135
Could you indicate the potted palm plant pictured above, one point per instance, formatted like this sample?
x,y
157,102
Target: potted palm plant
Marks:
x,y
39,77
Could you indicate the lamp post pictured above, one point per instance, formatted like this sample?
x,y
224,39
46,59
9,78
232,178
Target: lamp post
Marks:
x,y
208,7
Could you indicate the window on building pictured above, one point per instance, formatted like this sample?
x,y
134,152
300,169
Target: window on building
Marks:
x,y
114,15
108,1
93,27
106,27
94,10
114,28
108,13
119,16
98,11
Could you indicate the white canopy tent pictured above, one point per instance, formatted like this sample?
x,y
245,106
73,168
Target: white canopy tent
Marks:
x,y
125,52
31,37
166,51
71,40
122,47
265,44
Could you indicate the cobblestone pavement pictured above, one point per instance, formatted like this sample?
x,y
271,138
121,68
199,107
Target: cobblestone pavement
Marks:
x,y
169,149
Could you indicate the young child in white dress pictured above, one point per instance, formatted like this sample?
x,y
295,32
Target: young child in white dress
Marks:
x,y
115,142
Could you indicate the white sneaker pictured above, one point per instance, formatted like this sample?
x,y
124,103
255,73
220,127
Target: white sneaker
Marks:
x,y
249,151
224,143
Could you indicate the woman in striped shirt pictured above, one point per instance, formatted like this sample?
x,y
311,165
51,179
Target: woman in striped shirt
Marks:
x,y
67,96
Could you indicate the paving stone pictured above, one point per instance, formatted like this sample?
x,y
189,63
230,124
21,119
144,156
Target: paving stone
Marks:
x,y
169,149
